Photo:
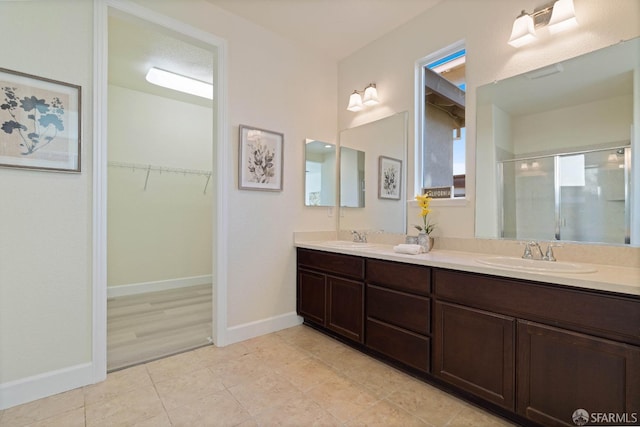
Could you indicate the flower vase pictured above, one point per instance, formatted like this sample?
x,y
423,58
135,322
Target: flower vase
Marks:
x,y
425,241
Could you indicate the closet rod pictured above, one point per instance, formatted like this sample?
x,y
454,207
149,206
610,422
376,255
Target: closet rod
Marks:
x,y
160,169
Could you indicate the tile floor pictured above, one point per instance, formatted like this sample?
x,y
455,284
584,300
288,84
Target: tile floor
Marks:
x,y
295,377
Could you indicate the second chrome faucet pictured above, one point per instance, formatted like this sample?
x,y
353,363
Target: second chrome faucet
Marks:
x,y
532,250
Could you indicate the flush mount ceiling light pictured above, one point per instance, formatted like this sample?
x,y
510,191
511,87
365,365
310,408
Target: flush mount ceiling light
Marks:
x,y
368,97
180,83
558,16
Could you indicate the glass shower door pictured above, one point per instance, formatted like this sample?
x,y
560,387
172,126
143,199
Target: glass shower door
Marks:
x,y
591,192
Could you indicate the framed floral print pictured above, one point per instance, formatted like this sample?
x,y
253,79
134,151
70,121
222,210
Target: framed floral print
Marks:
x,y
389,178
39,123
260,159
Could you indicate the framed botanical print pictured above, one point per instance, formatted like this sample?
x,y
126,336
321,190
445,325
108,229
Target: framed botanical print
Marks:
x,y
389,178
39,123
260,159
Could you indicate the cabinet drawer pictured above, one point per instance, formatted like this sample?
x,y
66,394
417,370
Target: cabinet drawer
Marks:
x,y
404,346
399,308
608,316
404,277
345,265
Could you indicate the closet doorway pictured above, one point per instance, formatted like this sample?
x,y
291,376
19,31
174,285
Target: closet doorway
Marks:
x,y
160,200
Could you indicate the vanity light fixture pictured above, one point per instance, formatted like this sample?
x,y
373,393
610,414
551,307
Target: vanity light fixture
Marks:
x,y
558,15
179,82
368,97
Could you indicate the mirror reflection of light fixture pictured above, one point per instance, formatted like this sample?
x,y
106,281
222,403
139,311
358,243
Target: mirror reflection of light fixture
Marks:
x,y
558,16
563,16
179,82
368,97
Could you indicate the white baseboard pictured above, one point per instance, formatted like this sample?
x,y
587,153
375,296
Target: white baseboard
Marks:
x,y
160,285
262,327
43,385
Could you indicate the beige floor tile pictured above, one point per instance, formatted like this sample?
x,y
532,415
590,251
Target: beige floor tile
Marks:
x,y
299,411
263,342
41,409
427,403
117,383
340,356
281,355
174,366
386,414
73,418
473,417
127,408
212,355
342,398
187,388
245,369
380,379
219,410
267,392
308,373
160,420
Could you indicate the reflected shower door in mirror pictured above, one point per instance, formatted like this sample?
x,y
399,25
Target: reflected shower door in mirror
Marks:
x,y
360,150
583,107
581,197
352,183
320,173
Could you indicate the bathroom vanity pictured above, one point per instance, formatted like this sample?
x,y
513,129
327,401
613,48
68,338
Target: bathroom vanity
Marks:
x,y
533,348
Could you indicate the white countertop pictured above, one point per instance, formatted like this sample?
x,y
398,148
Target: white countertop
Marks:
x,y
624,280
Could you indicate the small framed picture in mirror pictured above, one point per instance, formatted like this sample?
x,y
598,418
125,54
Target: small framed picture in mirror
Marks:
x,y
389,178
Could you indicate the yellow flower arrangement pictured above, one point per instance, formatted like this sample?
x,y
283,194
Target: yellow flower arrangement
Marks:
x,y
423,203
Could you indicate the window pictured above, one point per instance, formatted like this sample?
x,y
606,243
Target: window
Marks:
x,y
442,120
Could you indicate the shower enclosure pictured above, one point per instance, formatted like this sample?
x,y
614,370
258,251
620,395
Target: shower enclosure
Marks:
x,y
579,196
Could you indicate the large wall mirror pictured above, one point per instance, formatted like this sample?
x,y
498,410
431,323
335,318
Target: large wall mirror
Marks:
x,y
361,148
558,153
320,173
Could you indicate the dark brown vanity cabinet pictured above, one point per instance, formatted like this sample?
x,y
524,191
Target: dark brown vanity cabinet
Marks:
x,y
475,351
533,351
331,292
556,349
398,309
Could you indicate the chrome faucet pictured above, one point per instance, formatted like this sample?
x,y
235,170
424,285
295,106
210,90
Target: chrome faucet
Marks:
x,y
528,250
549,256
359,236
538,255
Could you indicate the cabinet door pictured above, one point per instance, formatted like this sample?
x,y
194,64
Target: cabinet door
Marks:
x,y
345,307
560,371
474,350
312,296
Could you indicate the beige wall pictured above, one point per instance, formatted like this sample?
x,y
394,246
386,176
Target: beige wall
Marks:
x,y
45,227
45,232
485,27
164,231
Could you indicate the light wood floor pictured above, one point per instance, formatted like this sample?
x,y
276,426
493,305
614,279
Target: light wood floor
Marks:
x,y
149,326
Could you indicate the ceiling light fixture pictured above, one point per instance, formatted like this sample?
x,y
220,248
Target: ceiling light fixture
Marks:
x,y
180,83
368,97
558,16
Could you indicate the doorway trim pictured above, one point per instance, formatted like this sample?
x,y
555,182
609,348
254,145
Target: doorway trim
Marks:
x,y
220,174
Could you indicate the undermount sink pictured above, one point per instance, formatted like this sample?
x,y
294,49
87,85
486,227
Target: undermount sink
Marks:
x,y
535,266
345,244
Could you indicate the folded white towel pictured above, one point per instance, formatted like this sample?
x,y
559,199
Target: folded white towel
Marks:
x,y
406,248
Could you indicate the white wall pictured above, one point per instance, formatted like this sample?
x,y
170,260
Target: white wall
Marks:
x,y
485,27
45,232
163,232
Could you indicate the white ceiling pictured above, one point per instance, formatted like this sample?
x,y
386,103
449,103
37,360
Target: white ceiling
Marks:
x,y
337,27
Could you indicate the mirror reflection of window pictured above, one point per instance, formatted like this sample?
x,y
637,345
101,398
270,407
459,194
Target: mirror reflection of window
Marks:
x,y
352,178
320,173
444,136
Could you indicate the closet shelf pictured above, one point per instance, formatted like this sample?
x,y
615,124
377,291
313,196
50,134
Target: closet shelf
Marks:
x,y
160,169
